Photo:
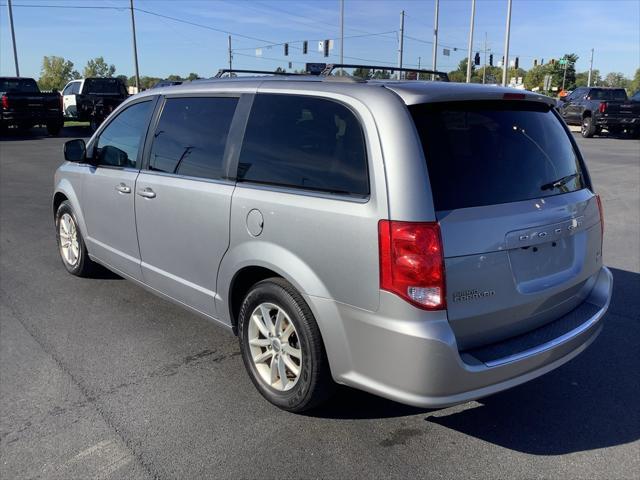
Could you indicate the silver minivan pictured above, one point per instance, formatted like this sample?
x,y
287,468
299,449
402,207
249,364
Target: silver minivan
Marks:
x,y
428,242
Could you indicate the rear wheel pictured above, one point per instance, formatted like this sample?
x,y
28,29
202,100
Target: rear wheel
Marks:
x,y
54,128
71,246
282,348
588,128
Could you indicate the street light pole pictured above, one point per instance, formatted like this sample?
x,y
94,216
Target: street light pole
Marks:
x,y
230,57
564,74
435,39
473,13
135,47
401,44
590,69
13,38
341,31
484,69
505,66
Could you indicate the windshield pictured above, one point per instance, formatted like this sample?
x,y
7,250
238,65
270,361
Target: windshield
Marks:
x,y
487,152
618,95
103,85
22,85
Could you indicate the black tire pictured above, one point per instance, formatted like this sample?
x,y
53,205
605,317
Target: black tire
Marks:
x,y
314,384
54,128
588,128
83,266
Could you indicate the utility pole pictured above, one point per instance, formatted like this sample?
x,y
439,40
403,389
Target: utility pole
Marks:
x,y
341,31
401,44
419,58
13,38
484,69
230,57
564,74
135,47
435,40
473,13
505,65
590,69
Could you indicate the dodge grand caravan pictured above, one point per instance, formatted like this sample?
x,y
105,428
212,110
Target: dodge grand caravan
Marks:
x,y
428,242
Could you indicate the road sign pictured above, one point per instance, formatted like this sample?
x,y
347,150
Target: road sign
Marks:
x,y
547,82
562,61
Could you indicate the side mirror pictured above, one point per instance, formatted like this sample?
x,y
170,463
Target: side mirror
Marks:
x,y
75,151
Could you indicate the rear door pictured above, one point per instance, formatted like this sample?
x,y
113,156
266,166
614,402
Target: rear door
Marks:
x,y
520,226
183,199
69,98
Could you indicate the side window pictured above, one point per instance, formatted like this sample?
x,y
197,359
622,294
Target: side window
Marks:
x,y
304,142
75,88
67,89
191,136
120,141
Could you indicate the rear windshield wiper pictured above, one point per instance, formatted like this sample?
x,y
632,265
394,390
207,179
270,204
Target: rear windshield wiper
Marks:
x,y
559,182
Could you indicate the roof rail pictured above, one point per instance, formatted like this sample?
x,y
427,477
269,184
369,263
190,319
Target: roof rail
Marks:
x,y
442,76
222,71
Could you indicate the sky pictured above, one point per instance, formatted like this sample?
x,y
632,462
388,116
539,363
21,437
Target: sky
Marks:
x,y
195,39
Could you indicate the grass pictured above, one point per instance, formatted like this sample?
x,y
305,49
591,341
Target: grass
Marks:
x,y
76,124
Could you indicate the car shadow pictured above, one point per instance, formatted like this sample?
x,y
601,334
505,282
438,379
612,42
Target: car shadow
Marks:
x,y
589,403
15,135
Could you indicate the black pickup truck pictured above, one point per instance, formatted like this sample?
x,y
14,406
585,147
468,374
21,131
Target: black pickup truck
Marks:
x,y
25,106
93,99
598,108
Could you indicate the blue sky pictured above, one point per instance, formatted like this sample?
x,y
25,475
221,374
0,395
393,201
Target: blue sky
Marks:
x,y
539,29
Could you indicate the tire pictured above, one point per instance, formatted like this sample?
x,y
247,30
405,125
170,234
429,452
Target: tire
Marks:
x,y
301,348
588,128
74,258
54,128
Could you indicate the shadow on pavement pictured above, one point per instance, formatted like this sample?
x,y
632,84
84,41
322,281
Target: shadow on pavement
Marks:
x,y
589,403
15,135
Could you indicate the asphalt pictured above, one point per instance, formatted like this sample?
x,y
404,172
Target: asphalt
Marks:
x,y
100,379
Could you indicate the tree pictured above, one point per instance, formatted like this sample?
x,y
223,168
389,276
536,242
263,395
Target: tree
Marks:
x,y
193,76
616,79
174,78
381,74
125,79
582,78
634,85
363,73
97,67
56,73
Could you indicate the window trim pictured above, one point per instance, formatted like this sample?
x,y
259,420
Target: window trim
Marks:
x,y
93,143
228,152
296,190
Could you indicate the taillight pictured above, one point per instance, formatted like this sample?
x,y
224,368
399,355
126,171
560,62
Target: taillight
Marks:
x,y
603,107
599,200
5,102
411,262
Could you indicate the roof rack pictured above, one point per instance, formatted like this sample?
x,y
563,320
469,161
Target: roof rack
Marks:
x,y
336,66
222,71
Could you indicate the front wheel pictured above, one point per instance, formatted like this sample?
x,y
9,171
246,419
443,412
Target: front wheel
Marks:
x,y
588,128
282,348
71,246
54,128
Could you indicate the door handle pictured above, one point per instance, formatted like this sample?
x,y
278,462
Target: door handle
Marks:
x,y
147,193
122,188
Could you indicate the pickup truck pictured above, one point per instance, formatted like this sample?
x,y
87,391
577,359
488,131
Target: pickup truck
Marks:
x,y
598,108
92,99
25,106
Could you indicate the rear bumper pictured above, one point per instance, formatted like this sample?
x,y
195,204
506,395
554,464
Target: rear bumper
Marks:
x,y
35,118
400,354
614,120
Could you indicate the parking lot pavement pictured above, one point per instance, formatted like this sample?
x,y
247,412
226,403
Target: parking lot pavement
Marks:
x,y
100,379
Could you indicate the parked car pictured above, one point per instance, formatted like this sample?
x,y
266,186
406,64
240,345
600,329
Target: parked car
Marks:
x,y
428,242
92,99
600,108
24,106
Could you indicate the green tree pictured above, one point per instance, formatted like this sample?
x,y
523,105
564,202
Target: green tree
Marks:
x,y
193,76
381,74
616,79
174,78
582,78
125,79
97,67
634,85
56,72
363,73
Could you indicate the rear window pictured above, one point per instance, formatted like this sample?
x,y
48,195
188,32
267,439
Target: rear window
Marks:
x,y
619,95
22,85
484,153
103,85
304,142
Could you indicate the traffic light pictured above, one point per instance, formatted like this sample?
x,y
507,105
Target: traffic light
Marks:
x,y
477,59
517,62
305,47
286,49
553,61
325,47
535,62
491,59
